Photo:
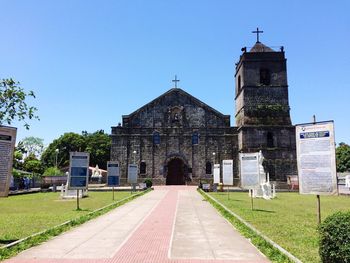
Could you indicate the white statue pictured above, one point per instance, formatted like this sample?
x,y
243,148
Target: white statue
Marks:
x,y
264,190
347,181
96,173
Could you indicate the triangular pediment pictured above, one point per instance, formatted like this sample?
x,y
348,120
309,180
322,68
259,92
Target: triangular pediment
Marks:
x,y
176,107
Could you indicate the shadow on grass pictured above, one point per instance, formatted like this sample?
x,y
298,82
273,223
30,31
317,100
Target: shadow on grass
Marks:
x,y
265,211
82,210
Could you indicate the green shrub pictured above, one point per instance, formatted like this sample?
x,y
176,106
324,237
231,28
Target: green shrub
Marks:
x,y
148,183
53,171
335,238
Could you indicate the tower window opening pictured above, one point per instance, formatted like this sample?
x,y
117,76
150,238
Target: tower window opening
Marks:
x,y
143,167
239,83
265,76
208,168
270,140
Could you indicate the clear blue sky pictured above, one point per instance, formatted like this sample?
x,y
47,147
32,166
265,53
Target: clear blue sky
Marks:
x,y
90,62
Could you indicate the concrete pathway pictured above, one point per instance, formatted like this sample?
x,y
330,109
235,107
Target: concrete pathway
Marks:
x,y
170,224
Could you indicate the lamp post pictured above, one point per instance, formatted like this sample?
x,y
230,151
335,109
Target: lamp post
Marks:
x,y
134,152
214,154
56,151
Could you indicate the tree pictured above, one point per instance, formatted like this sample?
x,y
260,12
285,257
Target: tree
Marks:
x,y
98,144
343,157
33,146
33,165
13,104
18,156
68,142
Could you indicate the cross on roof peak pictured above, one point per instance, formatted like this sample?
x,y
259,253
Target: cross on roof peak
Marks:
x,y
257,34
176,81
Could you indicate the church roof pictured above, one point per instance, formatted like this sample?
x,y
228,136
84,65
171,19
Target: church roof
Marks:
x,y
177,92
260,47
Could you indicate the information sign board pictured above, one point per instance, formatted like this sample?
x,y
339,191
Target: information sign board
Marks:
x,y
216,173
78,171
227,172
249,169
113,173
7,145
316,158
132,174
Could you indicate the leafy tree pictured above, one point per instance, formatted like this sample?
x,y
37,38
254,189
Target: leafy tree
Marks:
x,y
13,104
98,144
33,165
17,159
18,156
33,145
68,142
343,157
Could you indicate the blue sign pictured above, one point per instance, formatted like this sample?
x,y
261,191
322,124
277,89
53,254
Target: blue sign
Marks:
x,y
112,173
78,181
316,134
195,138
78,172
156,138
113,181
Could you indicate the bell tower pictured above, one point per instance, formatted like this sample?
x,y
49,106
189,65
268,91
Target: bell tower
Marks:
x,y
262,108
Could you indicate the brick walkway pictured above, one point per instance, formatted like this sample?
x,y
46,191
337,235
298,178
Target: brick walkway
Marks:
x,y
152,240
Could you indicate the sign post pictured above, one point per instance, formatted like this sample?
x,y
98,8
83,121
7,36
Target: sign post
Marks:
x,y
78,172
227,174
216,172
113,174
316,160
7,145
132,176
249,169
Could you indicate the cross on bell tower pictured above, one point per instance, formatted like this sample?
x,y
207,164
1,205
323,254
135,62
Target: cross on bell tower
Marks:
x,y
257,34
176,81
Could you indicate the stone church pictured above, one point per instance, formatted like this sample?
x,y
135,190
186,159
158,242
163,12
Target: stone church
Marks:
x,y
176,138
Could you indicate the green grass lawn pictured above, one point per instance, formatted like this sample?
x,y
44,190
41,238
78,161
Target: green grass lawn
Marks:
x,y
290,220
23,215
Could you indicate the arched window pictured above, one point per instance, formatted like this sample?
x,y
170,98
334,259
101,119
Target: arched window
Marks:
x,y
270,140
239,83
156,138
143,167
265,76
208,169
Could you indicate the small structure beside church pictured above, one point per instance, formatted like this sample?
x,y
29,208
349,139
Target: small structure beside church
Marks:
x,y
176,138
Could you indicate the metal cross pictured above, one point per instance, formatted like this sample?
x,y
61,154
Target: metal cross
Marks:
x,y
176,81
257,34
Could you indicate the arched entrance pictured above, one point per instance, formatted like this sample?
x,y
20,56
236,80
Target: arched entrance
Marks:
x,y
175,172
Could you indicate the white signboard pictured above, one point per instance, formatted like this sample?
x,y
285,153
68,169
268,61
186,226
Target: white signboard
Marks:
x,y
316,158
227,172
132,174
216,173
249,169
7,145
78,171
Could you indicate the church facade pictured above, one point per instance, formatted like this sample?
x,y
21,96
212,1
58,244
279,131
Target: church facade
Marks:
x,y
176,138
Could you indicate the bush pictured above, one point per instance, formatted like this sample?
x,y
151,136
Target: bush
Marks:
x,y
148,183
335,238
53,171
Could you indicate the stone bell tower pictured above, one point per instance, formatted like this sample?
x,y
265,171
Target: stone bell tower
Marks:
x,y
262,109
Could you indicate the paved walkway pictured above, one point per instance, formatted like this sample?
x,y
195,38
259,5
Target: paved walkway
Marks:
x,y
170,224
